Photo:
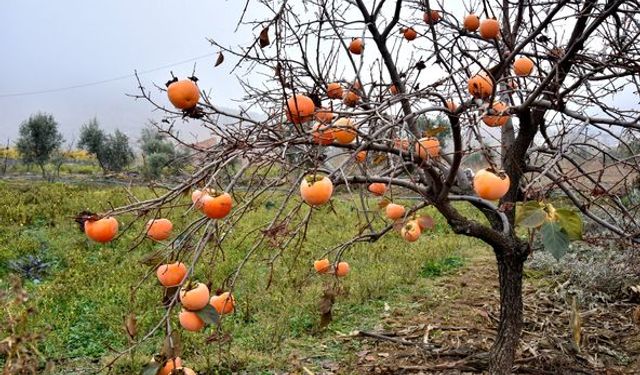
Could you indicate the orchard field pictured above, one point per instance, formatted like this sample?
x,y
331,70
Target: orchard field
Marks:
x,y
80,290
337,187
440,290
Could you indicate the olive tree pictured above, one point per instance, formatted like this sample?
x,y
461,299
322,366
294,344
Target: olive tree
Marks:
x,y
112,151
159,154
574,62
39,138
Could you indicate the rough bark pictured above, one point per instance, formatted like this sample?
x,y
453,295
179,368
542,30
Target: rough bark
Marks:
x,y
510,266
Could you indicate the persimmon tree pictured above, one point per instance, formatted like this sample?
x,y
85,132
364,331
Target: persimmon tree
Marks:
x,y
541,90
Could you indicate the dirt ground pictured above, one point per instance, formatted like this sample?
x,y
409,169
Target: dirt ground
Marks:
x,y
456,330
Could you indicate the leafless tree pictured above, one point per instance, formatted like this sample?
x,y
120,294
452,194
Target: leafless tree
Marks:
x,y
564,119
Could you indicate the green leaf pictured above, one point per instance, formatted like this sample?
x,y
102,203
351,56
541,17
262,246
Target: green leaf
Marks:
x,y
208,314
571,222
530,215
554,239
151,368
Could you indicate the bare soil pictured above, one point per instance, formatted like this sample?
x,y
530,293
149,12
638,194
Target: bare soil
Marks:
x,y
456,329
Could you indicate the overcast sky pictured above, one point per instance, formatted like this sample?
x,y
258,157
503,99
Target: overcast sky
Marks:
x,y
55,44
52,45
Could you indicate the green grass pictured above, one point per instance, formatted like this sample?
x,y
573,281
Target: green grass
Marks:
x,y
439,267
83,300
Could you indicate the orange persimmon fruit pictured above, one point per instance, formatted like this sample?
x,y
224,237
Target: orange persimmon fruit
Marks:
x,y
316,190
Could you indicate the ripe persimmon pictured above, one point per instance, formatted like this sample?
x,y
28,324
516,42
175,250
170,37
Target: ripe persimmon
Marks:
x,y
395,211
377,188
334,90
410,33
480,86
224,303
324,115
411,231
322,265
497,115
322,134
523,66
344,131
491,185
351,99
183,371
170,365
356,46
197,197
194,297
300,108
217,206
471,22
429,146
316,190
361,156
393,90
342,269
431,17
171,274
183,94
190,321
159,229
489,28
102,230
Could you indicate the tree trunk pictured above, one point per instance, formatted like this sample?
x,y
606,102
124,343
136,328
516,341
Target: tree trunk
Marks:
x,y
44,174
504,349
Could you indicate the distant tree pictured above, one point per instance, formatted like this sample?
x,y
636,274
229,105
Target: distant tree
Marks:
x,y
112,151
39,138
159,154
117,154
92,139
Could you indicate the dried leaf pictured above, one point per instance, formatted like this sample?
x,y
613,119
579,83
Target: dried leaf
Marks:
x,y
264,37
425,222
432,132
575,324
325,305
130,325
379,159
398,224
636,315
220,59
384,202
172,347
169,293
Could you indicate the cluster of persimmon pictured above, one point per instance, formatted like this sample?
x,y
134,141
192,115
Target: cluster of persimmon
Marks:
x,y
194,297
324,266
105,229
214,205
410,228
